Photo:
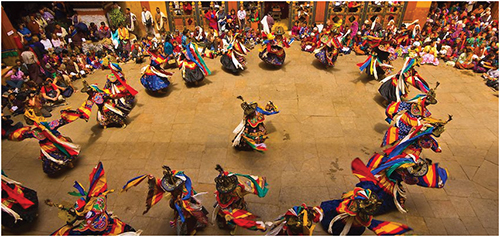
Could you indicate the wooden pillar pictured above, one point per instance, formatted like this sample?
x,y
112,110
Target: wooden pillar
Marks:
x,y
365,10
8,33
494,10
169,16
313,13
197,13
327,5
232,5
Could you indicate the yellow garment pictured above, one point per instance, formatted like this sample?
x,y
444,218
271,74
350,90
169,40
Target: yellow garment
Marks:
x,y
123,33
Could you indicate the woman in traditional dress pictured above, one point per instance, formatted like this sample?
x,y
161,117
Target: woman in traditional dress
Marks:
x,y
56,151
233,59
273,52
154,78
189,214
89,214
231,208
117,85
429,54
19,204
251,133
192,65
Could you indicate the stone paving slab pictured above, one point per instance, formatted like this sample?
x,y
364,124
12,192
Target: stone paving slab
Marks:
x,y
328,118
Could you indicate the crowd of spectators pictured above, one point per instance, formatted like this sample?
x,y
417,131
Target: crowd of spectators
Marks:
x,y
57,47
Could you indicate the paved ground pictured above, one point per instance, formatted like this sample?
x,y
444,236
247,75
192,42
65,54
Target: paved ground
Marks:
x,y
328,118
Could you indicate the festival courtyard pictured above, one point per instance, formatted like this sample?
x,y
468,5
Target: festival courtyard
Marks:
x,y
328,117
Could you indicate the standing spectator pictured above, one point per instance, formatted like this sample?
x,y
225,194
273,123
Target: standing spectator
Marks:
x,y
37,47
147,20
123,32
130,20
59,10
160,23
41,22
242,14
29,58
221,20
76,36
211,16
75,19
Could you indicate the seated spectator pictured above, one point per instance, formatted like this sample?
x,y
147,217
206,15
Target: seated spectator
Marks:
x,y
15,104
60,32
64,85
104,31
464,61
7,127
51,93
46,42
17,78
24,32
93,32
137,54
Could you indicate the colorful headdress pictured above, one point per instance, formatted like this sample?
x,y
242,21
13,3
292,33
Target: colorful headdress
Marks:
x,y
279,28
225,182
170,182
248,108
365,201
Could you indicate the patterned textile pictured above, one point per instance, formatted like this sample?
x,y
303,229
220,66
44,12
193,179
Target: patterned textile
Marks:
x,y
92,210
56,151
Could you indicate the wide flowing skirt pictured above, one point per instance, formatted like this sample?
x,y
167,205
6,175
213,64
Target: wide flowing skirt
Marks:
x,y
154,82
276,59
388,91
192,75
330,212
28,215
322,57
50,167
228,64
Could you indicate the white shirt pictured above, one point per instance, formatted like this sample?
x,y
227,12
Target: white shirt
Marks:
x,y
242,14
146,16
57,43
46,43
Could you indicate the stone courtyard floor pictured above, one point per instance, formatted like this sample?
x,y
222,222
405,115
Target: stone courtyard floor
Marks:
x,y
328,118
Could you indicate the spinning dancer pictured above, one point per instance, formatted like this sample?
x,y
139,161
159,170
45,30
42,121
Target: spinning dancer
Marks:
x,y
190,215
251,132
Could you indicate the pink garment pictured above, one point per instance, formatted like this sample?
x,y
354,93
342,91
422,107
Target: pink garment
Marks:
x,y
354,29
429,58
